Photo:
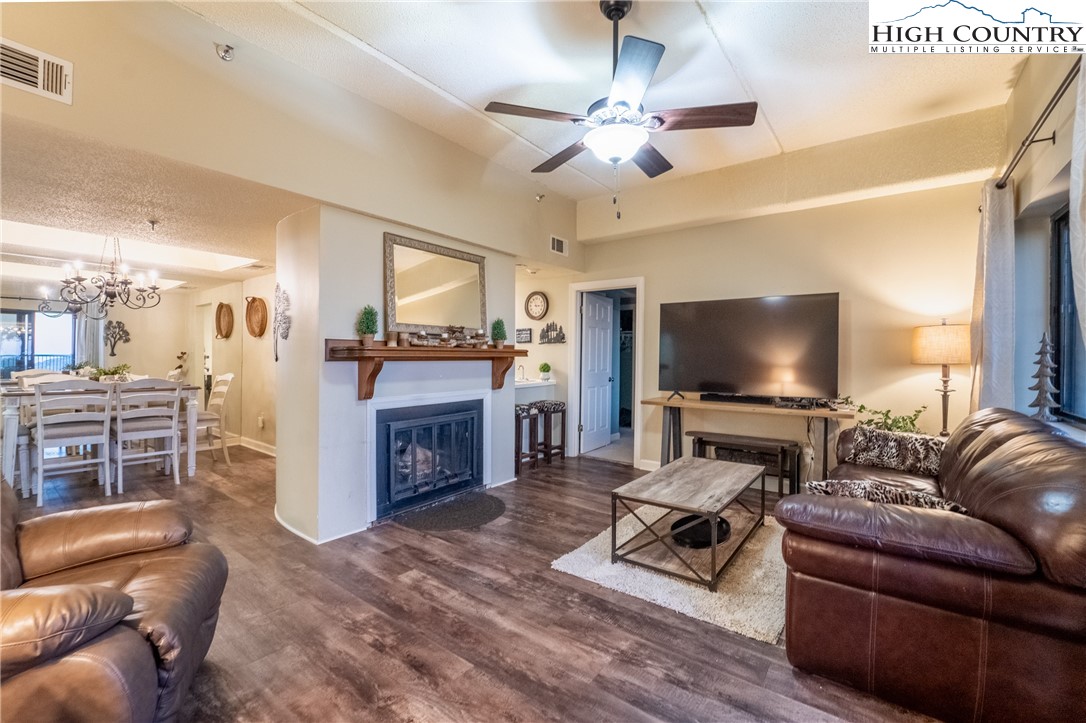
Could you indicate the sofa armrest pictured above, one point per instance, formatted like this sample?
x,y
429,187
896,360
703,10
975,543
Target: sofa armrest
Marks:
x,y
47,622
69,539
935,535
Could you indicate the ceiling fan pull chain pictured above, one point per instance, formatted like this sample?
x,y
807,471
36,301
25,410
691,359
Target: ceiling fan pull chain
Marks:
x,y
614,196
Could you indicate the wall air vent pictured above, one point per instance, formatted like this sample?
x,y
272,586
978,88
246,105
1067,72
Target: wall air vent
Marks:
x,y
559,246
35,71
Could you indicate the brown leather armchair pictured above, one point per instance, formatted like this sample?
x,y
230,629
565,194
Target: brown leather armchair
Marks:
x,y
964,617
107,612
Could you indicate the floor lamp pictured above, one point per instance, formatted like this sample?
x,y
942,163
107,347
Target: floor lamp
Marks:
x,y
944,344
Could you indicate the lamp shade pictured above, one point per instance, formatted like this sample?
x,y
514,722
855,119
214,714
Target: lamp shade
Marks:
x,y
616,142
942,344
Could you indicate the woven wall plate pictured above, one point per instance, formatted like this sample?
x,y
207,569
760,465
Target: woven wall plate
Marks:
x,y
224,321
256,316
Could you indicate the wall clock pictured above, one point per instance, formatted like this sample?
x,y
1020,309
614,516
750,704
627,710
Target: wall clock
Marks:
x,y
536,305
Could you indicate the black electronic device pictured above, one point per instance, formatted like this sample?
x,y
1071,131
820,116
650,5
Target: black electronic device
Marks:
x,y
769,347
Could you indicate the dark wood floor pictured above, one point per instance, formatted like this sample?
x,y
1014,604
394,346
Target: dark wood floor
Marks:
x,y
395,624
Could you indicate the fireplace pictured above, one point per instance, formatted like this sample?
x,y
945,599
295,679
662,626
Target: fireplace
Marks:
x,y
427,452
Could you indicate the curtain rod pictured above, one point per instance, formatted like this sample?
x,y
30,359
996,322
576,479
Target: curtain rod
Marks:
x,y
1002,182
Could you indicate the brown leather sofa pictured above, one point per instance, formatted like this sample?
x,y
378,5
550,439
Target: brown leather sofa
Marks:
x,y
963,617
107,612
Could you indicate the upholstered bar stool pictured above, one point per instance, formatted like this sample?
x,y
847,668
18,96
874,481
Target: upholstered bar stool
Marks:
x,y
550,408
526,414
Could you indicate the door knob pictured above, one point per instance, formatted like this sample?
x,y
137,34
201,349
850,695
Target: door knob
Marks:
x,y
610,379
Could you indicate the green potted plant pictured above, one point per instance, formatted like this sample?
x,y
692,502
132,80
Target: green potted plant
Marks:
x,y
366,325
885,419
545,371
497,333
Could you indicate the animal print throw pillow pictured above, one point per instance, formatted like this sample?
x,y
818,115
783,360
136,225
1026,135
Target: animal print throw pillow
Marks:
x,y
878,492
915,453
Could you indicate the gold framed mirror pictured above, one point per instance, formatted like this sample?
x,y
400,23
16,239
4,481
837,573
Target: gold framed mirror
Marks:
x,y
430,287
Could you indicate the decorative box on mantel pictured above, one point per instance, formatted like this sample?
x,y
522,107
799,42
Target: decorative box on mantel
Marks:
x,y
372,360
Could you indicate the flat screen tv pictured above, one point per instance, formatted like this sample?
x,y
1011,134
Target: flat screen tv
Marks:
x,y
774,346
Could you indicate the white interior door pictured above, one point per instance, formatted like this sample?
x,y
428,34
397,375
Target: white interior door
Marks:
x,y
597,325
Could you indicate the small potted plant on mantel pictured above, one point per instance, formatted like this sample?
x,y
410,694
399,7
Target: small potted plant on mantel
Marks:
x,y
497,333
366,325
545,371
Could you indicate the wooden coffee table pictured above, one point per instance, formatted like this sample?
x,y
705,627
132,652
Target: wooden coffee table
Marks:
x,y
707,488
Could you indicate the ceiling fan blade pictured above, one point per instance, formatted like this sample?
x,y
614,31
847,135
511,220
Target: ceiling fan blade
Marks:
x,y
522,110
651,161
707,116
559,158
637,63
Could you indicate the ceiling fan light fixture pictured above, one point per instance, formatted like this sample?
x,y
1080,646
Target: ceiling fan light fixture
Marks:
x,y
616,142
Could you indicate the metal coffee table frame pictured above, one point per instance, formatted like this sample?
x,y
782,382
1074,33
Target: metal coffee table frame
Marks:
x,y
666,539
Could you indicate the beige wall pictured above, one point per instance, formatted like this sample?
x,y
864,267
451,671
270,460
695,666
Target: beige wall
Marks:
x,y
897,262
258,385
557,291
158,335
297,374
227,355
329,261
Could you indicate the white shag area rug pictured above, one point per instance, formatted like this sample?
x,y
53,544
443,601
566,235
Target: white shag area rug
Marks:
x,y
749,598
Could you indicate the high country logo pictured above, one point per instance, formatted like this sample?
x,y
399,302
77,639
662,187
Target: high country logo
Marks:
x,y
955,26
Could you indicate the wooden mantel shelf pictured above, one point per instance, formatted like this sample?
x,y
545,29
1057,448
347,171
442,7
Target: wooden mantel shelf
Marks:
x,y
372,360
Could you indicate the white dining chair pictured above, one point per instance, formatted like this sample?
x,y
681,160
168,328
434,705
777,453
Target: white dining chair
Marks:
x,y
213,419
147,412
73,413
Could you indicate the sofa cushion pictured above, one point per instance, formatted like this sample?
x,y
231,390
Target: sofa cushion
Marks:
x,y
960,442
916,453
11,569
40,623
111,678
63,540
176,595
891,477
1034,487
876,492
935,535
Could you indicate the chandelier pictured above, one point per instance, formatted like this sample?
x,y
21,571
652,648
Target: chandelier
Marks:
x,y
109,286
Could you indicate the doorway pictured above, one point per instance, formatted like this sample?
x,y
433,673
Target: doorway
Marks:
x,y
605,362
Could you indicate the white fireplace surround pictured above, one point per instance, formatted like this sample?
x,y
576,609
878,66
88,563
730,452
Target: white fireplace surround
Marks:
x,y
418,400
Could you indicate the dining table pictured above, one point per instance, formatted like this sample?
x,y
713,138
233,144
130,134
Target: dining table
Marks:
x,y
13,398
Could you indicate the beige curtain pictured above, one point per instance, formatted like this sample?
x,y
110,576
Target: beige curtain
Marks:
x,y
1078,203
992,329
89,345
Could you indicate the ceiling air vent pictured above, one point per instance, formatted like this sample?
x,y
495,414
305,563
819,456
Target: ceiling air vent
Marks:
x,y
559,246
35,71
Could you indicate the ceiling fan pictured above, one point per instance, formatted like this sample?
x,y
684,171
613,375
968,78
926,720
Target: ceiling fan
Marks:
x,y
619,126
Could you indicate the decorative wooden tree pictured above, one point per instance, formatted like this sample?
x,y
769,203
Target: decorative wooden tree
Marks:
x,y
1044,387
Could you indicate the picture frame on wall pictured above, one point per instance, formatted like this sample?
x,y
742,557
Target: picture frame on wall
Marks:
x,y
524,336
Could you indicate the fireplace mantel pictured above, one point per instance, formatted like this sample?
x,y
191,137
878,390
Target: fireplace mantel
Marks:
x,y
372,360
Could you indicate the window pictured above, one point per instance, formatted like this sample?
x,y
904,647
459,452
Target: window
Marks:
x,y
1070,351
32,340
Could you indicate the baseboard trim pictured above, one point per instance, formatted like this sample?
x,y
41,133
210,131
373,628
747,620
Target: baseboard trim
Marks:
x,y
648,464
499,484
615,436
306,537
262,447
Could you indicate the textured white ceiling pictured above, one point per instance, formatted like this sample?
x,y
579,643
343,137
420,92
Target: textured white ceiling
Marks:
x,y
64,181
438,64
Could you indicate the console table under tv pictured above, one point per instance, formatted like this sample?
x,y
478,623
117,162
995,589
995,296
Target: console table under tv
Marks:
x,y
672,433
